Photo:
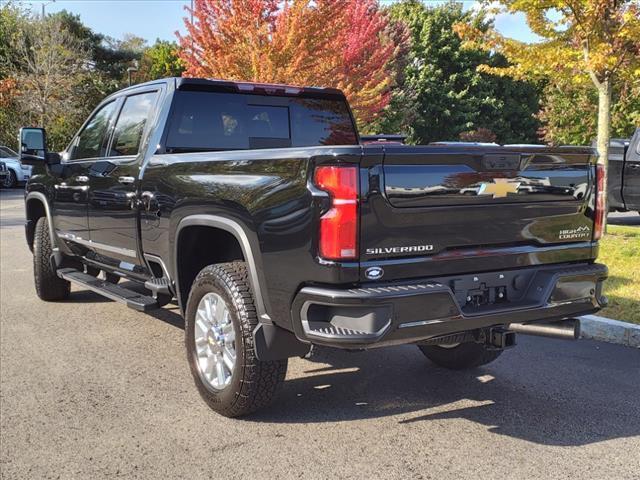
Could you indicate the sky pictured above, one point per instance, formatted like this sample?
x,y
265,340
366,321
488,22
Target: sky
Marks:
x,y
152,19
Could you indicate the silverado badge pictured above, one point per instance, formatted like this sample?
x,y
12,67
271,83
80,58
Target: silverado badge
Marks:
x,y
499,188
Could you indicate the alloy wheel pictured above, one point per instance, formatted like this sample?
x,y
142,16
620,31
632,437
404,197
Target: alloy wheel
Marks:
x,y
215,341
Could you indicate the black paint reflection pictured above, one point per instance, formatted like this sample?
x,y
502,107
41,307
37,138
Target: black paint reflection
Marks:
x,y
426,185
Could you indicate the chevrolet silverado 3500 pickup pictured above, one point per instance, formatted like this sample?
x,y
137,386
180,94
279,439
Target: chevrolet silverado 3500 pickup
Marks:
x,y
256,208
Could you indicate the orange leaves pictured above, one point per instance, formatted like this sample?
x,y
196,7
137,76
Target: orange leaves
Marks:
x,y
362,73
338,43
227,37
8,91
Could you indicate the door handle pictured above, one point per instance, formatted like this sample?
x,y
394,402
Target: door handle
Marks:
x,y
64,186
82,178
635,166
148,200
126,180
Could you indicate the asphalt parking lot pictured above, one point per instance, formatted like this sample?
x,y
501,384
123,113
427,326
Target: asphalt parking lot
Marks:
x,y
91,389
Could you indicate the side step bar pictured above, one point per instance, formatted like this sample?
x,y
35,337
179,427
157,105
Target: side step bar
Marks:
x,y
131,299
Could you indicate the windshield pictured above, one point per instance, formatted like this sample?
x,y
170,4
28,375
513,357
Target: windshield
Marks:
x,y
6,152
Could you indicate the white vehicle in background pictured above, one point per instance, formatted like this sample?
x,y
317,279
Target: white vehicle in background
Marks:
x,y
3,172
16,172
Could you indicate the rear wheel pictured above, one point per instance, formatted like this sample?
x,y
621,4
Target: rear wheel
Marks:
x,y
48,285
460,356
220,320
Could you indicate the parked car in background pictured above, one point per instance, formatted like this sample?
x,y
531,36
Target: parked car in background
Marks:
x,y
16,172
624,173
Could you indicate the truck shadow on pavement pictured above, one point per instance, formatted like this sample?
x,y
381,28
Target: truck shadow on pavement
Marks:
x,y
550,392
539,397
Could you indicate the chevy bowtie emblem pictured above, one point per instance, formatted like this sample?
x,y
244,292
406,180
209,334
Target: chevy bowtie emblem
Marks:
x,y
499,188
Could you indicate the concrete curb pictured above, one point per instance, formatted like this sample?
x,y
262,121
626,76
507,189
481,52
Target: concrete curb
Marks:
x,y
603,329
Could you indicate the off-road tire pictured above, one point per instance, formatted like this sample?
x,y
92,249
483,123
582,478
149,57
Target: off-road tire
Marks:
x,y
461,357
254,383
49,286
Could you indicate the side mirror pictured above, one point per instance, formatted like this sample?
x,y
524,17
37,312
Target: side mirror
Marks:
x,y
53,158
33,148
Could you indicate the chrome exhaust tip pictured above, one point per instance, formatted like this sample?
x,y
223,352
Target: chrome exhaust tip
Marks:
x,y
565,329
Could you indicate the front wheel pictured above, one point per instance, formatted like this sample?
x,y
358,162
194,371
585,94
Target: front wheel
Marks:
x,y
48,285
220,319
460,356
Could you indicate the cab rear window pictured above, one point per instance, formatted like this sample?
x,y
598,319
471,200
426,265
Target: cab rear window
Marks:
x,y
202,121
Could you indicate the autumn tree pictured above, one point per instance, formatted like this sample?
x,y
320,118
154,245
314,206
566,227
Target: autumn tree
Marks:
x,y
160,60
569,112
442,95
339,43
54,71
582,41
49,66
108,57
10,17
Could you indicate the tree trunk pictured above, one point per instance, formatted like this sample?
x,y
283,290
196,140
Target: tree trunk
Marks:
x,y
604,121
604,134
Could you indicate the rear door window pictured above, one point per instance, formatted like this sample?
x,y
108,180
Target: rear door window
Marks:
x,y
227,121
131,124
92,141
207,121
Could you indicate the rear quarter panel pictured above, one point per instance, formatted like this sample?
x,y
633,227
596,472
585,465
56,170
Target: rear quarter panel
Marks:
x,y
264,191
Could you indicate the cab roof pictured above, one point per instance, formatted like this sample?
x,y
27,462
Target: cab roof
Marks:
x,y
184,83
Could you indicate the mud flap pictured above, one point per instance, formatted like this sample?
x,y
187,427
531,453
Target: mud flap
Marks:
x,y
275,343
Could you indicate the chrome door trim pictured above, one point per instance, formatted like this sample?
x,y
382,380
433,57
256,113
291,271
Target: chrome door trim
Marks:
x,y
64,186
97,246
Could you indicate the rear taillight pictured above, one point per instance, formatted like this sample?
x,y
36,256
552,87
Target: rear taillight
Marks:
x,y
339,225
601,179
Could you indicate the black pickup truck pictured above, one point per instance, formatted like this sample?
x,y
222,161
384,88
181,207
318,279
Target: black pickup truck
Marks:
x,y
258,210
623,180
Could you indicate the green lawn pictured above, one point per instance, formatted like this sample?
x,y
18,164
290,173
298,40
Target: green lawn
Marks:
x,y
620,251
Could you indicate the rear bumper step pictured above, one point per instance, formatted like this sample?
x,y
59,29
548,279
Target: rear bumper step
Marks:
x,y
131,299
388,314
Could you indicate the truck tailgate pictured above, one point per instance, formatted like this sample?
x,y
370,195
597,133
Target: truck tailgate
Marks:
x,y
434,210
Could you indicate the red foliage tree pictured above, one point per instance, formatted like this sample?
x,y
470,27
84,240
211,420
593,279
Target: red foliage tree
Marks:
x,y
337,43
